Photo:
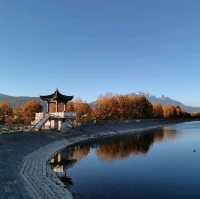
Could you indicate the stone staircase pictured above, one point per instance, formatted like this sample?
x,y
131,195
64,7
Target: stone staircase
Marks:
x,y
40,123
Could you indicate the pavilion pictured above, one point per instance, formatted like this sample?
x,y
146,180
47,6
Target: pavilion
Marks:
x,y
56,115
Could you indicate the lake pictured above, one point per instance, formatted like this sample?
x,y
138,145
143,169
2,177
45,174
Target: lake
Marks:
x,y
163,163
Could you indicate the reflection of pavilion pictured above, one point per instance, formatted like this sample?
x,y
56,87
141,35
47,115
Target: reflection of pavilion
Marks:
x,y
56,163
56,116
59,163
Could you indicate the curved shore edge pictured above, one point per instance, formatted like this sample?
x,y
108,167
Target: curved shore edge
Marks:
x,y
41,181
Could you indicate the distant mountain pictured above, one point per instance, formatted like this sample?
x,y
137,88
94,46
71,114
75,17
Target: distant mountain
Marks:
x,y
167,100
16,101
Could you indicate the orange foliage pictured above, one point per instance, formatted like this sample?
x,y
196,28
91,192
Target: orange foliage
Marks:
x,y
133,107
5,112
195,115
157,110
82,109
122,107
169,111
26,112
179,112
106,108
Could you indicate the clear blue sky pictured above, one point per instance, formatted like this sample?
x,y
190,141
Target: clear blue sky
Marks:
x,y
89,47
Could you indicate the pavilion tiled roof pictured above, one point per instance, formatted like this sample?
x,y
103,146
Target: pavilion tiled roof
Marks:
x,y
56,96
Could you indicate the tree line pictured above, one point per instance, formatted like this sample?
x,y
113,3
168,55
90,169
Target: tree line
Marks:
x,y
106,107
124,107
22,114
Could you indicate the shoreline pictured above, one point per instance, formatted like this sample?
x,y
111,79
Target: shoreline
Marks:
x,y
45,183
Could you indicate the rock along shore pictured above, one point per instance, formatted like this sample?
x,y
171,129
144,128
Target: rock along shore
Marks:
x,y
24,169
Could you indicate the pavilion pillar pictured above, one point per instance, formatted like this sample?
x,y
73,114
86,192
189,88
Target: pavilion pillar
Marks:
x,y
48,107
56,106
64,107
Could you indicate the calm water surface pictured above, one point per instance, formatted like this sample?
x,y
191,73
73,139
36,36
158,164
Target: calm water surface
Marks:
x,y
163,163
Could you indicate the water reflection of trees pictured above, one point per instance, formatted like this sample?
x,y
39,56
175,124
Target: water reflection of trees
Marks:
x,y
123,147
116,147
77,152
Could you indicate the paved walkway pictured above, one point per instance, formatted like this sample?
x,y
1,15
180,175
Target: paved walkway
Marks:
x,y
41,181
13,149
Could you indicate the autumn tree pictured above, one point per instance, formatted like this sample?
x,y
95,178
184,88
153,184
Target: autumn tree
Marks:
x,y
179,112
133,107
195,115
26,112
122,107
82,110
157,110
127,106
18,117
5,112
144,108
169,111
106,108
